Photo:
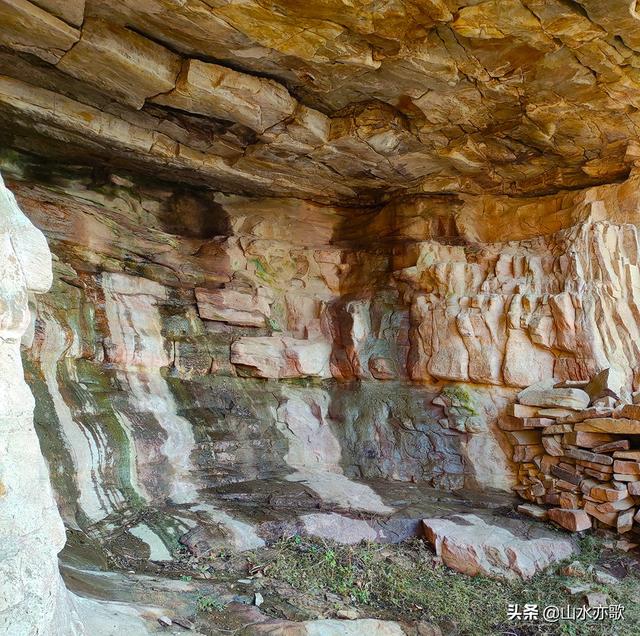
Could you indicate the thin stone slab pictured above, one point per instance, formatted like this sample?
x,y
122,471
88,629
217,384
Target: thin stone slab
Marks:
x,y
633,455
618,445
587,456
570,519
610,425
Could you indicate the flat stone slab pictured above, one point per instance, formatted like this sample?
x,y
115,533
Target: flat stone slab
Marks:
x,y
258,624
544,395
468,544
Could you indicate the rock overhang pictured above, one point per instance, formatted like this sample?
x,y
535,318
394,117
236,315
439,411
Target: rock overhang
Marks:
x,y
328,241
352,103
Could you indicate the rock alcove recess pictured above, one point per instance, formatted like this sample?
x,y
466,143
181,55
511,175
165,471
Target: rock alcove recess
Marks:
x,y
321,269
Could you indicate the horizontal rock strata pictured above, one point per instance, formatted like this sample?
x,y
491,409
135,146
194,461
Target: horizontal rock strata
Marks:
x,y
310,247
334,102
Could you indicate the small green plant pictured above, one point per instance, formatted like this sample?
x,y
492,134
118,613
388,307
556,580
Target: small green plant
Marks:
x,y
330,558
209,604
591,548
461,398
272,323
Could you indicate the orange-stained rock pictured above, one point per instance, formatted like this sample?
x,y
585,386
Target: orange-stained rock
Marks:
x,y
605,493
572,520
470,545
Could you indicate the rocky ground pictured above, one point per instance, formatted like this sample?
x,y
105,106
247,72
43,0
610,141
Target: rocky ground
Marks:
x,y
301,580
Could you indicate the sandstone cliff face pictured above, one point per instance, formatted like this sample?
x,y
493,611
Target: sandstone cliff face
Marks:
x,y
311,247
171,364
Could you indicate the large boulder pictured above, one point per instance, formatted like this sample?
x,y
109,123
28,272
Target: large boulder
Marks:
x,y
468,544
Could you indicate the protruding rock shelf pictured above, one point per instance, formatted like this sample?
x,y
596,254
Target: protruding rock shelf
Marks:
x,y
577,453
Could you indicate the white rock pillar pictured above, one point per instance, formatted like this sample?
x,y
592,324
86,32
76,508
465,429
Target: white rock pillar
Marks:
x,y
33,599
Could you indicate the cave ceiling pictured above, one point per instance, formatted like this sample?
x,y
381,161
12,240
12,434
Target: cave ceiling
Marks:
x,y
337,101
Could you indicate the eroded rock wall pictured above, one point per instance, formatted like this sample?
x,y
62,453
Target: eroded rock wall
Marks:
x,y
167,361
196,341
33,599
302,250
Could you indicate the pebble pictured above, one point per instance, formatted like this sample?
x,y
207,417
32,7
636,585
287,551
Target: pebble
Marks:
x,y
349,614
575,568
184,622
597,599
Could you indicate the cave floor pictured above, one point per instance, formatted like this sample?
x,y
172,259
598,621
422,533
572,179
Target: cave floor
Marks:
x,y
392,577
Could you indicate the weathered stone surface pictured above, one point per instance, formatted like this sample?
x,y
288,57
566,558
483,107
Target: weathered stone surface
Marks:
x,y
625,467
33,598
535,512
120,62
545,396
627,454
587,440
282,356
609,383
216,91
625,521
234,307
468,544
618,445
572,520
329,627
28,28
608,518
594,458
609,425
397,115
364,202
71,11
603,493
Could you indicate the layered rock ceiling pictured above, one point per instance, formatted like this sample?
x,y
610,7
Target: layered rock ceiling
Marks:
x,y
350,102
302,250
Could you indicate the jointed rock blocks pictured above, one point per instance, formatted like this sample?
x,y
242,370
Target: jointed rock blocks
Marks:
x,y
340,237
580,461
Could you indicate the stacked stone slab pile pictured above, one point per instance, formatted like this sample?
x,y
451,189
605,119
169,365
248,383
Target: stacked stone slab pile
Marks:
x,y
577,446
